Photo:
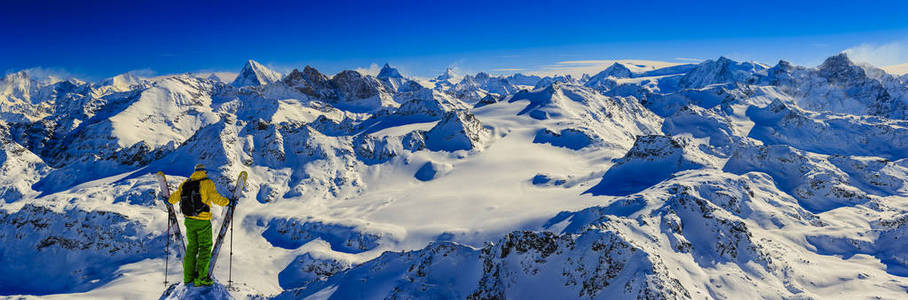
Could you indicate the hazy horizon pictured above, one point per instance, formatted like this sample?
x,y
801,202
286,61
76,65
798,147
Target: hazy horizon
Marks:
x,y
99,40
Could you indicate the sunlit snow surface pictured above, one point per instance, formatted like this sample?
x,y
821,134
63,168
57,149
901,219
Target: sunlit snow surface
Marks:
x,y
724,179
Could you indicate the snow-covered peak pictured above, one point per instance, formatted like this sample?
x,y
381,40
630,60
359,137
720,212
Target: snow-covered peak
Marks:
x,y
26,94
840,68
457,130
255,74
521,79
617,70
42,77
213,77
17,85
722,70
388,72
837,61
20,76
309,82
395,82
123,82
550,80
839,85
358,92
448,75
652,159
472,88
607,79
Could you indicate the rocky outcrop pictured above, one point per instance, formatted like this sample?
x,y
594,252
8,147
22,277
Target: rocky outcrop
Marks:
x,y
653,158
310,82
457,130
293,233
80,249
840,134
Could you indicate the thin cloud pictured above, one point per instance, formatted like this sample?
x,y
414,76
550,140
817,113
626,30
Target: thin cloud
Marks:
x,y
689,59
46,73
888,54
142,73
282,69
373,70
225,76
508,69
593,66
900,69
593,61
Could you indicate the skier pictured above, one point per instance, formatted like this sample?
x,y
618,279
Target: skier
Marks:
x,y
196,196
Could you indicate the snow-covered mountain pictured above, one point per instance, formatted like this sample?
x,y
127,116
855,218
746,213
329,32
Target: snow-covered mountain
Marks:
x,y
255,74
723,179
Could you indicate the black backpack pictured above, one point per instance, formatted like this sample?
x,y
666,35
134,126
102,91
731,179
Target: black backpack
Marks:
x,y
191,199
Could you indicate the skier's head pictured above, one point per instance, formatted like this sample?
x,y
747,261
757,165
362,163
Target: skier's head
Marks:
x,y
199,167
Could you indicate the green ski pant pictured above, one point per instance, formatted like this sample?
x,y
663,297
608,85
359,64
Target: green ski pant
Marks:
x,y
198,250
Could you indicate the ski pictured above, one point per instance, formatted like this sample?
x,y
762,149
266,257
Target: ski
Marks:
x,y
226,220
171,215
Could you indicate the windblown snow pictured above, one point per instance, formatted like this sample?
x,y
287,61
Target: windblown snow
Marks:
x,y
723,179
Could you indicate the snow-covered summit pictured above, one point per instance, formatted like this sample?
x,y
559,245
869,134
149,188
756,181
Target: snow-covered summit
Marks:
x,y
617,70
310,82
722,70
388,72
123,82
449,76
522,79
255,74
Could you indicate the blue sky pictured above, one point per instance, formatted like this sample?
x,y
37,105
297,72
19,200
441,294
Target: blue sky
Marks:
x,y
103,38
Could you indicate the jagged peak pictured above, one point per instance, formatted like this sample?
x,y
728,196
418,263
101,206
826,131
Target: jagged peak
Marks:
x,y
310,73
840,67
310,69
782,66
457,130
348,74
447,75
388,72
123,81
616,70
252,64
38,75
837,61
725,60
293,77
619,70
294,74
255,74
20,75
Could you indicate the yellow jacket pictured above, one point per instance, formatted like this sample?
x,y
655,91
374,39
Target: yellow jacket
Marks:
x,y
208,191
